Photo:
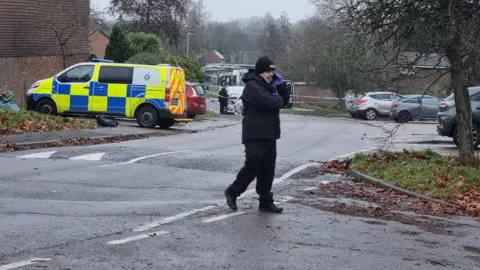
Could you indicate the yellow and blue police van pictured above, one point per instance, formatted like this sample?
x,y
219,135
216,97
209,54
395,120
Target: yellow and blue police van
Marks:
x,y
154,95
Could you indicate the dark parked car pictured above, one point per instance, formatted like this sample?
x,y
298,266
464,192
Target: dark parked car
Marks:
x,y
447,117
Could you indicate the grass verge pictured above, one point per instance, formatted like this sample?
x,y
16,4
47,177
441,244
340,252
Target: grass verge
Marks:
x,y
23,121
317,111
426,172
208,114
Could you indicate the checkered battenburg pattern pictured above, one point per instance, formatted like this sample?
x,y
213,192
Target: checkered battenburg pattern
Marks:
x,y
114,98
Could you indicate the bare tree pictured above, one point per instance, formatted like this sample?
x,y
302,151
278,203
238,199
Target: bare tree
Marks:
x,y
445,27
65,19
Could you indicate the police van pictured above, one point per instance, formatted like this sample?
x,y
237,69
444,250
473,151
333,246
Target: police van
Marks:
x,y
154,95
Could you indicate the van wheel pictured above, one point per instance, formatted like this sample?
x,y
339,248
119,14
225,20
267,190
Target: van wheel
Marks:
x,y
46,106
147,117
166,123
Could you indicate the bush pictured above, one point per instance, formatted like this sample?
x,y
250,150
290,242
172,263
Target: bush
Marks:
x,y
119,48
193,71
146,58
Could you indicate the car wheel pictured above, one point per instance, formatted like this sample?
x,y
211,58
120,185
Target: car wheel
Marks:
x,y
147,117
166,123
475,135
404,117
46,106
370,114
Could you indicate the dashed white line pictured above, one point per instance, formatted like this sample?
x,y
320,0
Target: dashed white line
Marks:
x,y
136,237
310,188
195,211
285,176
143,157
23,263
38,155
91,157
217,218
167,220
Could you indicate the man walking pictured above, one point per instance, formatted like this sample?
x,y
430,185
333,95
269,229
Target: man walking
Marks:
x,y
260,132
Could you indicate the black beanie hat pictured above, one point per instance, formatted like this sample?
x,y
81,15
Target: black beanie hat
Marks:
x,y
264,64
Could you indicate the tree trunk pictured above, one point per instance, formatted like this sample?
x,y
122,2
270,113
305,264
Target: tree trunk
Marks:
x,y
64,55
462,101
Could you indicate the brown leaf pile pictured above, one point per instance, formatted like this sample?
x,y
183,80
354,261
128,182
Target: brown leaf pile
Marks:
x,y
72,142
29,122
337,167
466,201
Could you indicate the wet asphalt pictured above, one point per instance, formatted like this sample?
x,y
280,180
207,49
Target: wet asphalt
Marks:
x,y
158,204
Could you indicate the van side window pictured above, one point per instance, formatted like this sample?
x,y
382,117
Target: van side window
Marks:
x,y
80,74
118,75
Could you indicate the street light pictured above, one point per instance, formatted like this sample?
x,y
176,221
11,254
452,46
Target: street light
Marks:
x,y
188,43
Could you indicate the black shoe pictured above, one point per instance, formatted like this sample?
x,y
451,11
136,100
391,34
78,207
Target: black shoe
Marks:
x,y
231,200
271,208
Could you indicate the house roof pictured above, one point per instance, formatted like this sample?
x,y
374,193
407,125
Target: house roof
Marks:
x,y
219,54
99,31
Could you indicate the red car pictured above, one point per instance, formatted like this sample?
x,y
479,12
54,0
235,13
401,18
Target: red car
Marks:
x,y
196,101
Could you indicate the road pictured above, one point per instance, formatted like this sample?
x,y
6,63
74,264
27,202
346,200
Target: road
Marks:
x,y
158,204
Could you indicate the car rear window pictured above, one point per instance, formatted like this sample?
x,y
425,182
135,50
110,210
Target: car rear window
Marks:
x,y
199,90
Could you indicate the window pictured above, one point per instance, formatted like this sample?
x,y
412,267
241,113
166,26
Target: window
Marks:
x,y
381,96
118,75
412,100
430,101
80,74
475,97
199,90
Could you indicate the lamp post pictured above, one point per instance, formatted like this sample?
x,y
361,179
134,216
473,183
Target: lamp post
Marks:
x,y
188,43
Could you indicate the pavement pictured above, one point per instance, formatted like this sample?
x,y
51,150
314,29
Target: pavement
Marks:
x,y
157,203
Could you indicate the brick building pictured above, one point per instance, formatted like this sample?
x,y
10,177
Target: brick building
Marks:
x,y
98,42
32,32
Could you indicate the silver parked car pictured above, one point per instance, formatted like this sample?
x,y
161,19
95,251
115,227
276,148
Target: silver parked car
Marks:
x,y
415,107
372,104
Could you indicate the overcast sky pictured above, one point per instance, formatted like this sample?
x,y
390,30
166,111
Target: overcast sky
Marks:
x,y
225,10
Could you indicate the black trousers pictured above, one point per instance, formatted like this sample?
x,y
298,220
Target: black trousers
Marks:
x,y
260,158
223,107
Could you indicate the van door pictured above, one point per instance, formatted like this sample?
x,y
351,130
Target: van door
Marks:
x,y
178,97
71,89
148,86
110,92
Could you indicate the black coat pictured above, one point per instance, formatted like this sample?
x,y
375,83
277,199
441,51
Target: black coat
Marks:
x,y
261,110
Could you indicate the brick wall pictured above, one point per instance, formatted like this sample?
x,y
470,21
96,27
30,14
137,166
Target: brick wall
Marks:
x,y
19,73
98,44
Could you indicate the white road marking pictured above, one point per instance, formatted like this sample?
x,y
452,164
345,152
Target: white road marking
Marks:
x,y
310,188
351,154
325,182
144,157
284,177
220,202
92,157
38,155
136,237
217,218
172,218
23,263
